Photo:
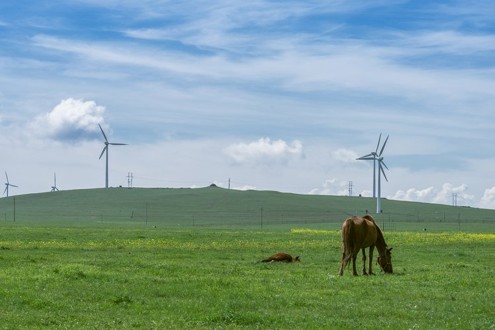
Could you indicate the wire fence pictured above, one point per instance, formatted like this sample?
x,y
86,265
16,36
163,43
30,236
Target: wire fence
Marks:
x,y
157,214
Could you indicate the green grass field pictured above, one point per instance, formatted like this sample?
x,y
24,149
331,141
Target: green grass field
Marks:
x,y
103,277
221,208
95,259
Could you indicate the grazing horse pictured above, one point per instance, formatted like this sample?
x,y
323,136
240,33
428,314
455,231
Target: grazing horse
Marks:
x,y
358,234
281,257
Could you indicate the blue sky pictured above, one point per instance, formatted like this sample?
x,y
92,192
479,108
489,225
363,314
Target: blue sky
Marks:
x,y
278,95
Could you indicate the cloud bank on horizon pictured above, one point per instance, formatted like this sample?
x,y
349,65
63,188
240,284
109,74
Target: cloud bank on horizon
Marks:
x,y
282,96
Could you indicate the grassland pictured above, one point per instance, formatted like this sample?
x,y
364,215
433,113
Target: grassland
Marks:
x,y
186,259
216,207
102,277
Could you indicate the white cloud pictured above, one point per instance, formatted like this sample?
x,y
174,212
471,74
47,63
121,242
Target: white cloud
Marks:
x,y
264,151
444,195
332,187
71,120
488,198
345,155
416,195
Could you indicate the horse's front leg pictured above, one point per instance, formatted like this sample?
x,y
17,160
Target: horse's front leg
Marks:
x,y
364,261
372,248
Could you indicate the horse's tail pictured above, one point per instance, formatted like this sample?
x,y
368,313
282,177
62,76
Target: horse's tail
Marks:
x,y
347,242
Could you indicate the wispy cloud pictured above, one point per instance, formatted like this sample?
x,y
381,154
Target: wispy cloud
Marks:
x,y
228,71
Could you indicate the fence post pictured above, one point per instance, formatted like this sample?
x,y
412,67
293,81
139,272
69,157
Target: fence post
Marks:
x,y
146,213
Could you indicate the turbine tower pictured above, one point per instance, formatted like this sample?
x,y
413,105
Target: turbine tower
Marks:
x,y
105,151
381,165
7,185
54,187
374,155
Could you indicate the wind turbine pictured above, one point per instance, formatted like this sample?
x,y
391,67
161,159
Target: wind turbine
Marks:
x,y
7,185
54,187
105,150
374,155
377,156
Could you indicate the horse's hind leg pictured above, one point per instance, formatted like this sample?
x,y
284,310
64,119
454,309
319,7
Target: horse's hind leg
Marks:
x,y
341,272
354,272
364,261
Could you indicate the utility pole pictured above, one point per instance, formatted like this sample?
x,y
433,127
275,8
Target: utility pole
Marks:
x,y
130,176
454,199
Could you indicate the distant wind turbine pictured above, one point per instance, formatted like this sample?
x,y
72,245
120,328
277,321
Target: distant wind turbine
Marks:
x,y
7,185
377,156
54,187
374,155
105,150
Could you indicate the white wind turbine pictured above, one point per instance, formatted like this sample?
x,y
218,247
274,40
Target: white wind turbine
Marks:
x,y
7,185
54,187
377,156
105,150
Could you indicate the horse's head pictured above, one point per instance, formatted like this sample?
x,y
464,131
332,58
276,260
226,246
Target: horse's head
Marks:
x,y
385,261
296,259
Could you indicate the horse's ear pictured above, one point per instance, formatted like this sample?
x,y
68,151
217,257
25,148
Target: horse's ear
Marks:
x,y
390,250
297,258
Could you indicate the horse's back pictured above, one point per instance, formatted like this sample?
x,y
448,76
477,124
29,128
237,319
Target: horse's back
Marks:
x,y
359,231
285,257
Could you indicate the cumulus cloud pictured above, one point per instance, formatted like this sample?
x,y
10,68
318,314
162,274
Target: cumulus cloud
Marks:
x,y
488,198
444,195
415,195
332,187
264,151
344,155
71,120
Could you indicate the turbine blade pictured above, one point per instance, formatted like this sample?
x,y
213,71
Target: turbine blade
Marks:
x,y
383,147
6,189
13,185
103,151
383,172
378,144
6,177
104,135
367,157
118,144
383,163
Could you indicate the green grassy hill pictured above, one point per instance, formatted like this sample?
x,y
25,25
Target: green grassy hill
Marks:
x,y
213,206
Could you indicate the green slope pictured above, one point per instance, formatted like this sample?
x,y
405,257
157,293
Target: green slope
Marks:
x,y
213,206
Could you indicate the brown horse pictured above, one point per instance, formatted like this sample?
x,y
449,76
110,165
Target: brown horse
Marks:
x,y
281,257
358,234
